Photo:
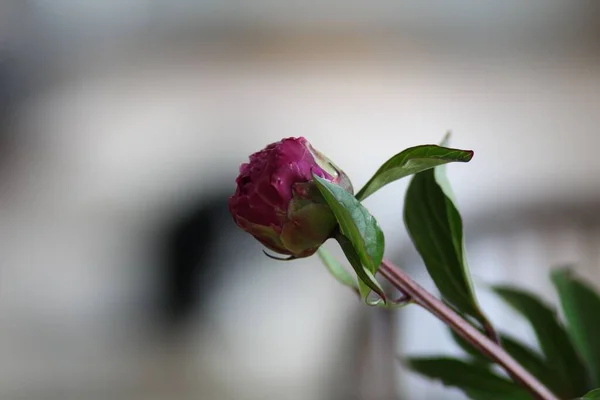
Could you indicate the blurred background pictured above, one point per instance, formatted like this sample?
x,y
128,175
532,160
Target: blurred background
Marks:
x,y
122,126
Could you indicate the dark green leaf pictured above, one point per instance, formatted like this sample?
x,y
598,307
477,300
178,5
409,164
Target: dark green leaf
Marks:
x,y
412,161
477,382
435,227
561,356
336,269
358,226
366,279
363,289
593,395
581,306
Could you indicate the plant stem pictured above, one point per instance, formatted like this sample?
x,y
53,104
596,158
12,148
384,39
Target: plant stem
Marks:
x,y
490,331
463,328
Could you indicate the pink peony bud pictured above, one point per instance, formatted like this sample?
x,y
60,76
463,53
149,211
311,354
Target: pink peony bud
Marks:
x,y
277,201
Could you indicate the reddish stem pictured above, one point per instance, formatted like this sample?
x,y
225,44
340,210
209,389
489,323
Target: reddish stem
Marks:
x,y
481,342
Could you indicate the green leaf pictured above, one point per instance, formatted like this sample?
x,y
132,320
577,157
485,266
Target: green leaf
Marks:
x,y
412,161
593,395
366,279
477,382
362,289
581,306
435,227
359,227
336,269
561,356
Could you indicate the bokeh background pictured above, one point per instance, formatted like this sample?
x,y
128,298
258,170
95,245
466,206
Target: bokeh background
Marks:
x,y
123,123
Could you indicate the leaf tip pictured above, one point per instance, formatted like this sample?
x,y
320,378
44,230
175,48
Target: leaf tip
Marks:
x,y
468,155
566,272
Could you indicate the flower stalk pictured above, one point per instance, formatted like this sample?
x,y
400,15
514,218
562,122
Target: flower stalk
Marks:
x,y
414,292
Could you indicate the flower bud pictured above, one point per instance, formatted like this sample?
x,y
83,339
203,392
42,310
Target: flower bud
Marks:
x,y
277,201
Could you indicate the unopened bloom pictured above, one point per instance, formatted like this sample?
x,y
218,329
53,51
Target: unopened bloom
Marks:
x,y
277,201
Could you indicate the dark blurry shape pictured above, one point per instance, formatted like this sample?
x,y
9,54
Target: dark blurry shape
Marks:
x,y
190,260
11,91
27,67
7,84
